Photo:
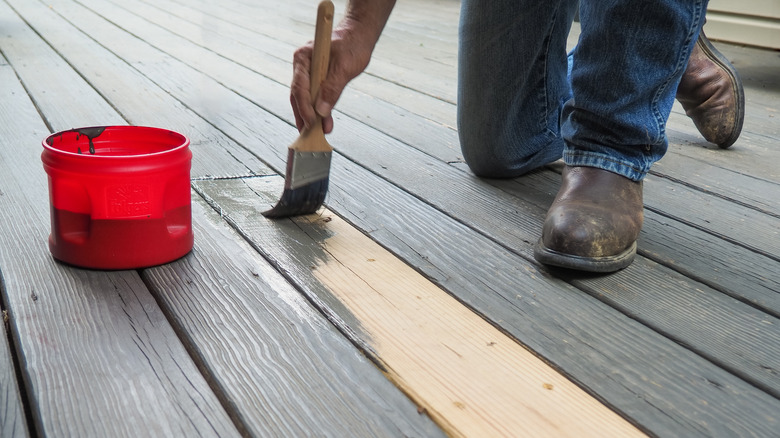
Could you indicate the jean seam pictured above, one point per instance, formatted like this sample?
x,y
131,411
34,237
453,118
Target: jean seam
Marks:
x,y
546,91
682,63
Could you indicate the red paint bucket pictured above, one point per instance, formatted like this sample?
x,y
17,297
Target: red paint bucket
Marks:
x,y
119,195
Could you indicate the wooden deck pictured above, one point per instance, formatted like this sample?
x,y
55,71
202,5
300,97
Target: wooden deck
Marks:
x,y
411,305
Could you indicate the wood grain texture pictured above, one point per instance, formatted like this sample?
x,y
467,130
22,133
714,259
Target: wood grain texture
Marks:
x,y
389,106
13,422
598,347
115,80
727,263
92,345
282,367
470,377
409,174
224,69
325,405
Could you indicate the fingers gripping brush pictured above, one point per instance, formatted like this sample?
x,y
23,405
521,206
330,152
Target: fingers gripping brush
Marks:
x,y
308,158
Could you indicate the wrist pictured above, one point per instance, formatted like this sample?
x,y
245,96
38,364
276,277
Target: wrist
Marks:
x,y
364,21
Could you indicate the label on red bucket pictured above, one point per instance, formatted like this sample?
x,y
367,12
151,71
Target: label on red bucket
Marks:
x,y
128,200
123,205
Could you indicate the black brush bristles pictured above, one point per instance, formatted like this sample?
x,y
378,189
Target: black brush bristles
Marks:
x,y
303,200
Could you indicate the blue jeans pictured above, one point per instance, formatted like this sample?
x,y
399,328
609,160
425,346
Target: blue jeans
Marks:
x,y
521,105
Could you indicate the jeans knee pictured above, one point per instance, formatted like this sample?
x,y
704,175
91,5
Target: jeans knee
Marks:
x,y
483,163
502,158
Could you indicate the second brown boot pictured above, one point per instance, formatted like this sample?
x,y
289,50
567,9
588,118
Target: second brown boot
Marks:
x,y
711,93
593,223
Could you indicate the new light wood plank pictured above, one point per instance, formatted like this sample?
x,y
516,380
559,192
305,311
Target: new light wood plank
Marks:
x,y
503,389
97,354
469,376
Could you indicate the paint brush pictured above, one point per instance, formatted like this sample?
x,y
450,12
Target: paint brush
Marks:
x,y
308,158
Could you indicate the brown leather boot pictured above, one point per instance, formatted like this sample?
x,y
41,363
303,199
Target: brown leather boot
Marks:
x,y
711,93
594,222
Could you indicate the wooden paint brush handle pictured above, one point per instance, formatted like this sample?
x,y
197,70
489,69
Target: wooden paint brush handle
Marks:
x,y
313,138
321,55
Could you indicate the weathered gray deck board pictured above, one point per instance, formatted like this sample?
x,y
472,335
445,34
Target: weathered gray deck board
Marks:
x,y
12,419
312,378
607,352
387,117
281,365
96,334
684,342
110,78
404,176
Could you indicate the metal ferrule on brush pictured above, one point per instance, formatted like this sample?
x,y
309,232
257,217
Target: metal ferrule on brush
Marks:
x,y
306,167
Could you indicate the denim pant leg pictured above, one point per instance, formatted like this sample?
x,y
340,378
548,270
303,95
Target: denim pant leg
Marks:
x,y
512,83
626,67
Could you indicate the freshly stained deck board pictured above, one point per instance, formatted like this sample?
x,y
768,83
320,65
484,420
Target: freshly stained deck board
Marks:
x,y
99,335
427,342
283,368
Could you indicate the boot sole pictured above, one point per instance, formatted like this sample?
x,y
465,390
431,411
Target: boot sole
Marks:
x,y
736,82
590,264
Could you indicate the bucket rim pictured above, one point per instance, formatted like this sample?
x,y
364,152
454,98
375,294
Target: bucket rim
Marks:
x,y
184,144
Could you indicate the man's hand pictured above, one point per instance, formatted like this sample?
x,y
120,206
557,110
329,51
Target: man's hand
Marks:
x,y
352,44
